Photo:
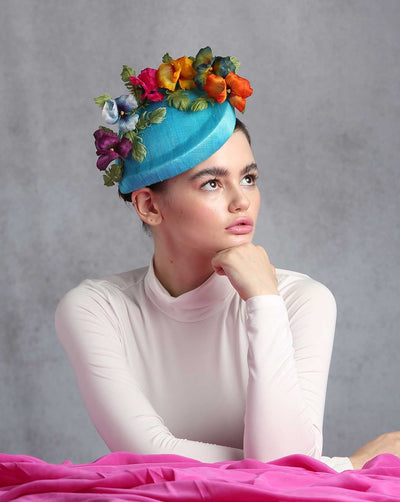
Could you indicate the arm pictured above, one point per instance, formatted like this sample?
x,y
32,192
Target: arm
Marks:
x,y
88,328
288,369
290,344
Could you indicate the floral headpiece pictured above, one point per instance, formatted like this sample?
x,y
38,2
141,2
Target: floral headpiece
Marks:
x,y
214,78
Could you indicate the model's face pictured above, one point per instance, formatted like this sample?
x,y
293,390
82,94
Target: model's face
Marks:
x,y
213,206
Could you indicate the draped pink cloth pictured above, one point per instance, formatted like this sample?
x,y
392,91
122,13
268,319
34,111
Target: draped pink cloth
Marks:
x,y
126,476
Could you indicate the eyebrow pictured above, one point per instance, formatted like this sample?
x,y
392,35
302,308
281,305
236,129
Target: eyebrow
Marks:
x,y
221,172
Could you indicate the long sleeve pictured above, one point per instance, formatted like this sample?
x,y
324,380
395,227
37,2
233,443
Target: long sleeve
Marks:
x,y
288,370
204,375
89,330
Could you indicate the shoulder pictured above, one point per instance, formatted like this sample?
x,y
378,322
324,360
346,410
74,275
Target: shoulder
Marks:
x,y
301,291
99,294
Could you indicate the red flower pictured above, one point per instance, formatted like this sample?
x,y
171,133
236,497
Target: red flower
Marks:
x,y
148,81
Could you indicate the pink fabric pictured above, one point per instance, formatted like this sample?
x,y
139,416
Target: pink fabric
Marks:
x,y
126,476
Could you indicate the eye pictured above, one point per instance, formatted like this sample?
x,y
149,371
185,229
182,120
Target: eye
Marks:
x,y
210,185
249,179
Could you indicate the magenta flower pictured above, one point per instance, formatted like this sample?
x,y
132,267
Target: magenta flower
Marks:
x,y
148,81
110,147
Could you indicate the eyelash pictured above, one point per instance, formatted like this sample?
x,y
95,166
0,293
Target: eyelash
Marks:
x,y
215,180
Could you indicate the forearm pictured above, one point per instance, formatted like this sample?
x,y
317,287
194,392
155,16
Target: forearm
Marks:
x,y
119,409
278,421
290,344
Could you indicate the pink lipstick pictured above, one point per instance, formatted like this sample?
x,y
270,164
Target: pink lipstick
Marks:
x,y
241,226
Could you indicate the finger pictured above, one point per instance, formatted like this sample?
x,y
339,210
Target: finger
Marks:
x,y
219,270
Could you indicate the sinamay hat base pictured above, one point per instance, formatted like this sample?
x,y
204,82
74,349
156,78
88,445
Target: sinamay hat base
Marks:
x,y
183,140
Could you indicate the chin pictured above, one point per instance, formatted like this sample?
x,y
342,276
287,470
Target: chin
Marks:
x,y
236,240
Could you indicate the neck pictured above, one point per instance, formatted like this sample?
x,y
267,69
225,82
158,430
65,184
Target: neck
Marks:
x,y
180,274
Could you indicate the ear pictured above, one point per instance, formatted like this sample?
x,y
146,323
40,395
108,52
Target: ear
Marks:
x,y
145,202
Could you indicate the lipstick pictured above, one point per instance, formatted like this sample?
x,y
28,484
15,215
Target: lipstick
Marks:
x,y
241,226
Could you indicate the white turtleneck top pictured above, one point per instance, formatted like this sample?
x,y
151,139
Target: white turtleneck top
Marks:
x,y
205,375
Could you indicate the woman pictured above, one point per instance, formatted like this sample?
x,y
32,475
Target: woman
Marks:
x,y
209,352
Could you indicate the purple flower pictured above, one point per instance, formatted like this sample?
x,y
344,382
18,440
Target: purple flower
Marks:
x,y
120,110
110,147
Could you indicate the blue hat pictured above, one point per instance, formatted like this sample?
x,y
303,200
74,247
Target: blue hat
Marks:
x,y
173,119
180,142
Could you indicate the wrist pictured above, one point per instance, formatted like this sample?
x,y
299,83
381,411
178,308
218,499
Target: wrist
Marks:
x,y
269,292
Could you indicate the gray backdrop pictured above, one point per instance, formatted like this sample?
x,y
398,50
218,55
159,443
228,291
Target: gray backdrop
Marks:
x,y
325,121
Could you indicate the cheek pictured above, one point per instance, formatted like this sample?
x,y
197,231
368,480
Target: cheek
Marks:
x,y
257,200
194,210
200,215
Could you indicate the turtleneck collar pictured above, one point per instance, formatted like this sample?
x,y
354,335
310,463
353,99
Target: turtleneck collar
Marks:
x,y
197,304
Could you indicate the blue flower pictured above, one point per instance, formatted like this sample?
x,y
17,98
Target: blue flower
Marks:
x,y
120,110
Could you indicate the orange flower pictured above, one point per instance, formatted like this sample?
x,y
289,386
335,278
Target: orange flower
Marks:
x,y
239,89
215,87
180,69
233,87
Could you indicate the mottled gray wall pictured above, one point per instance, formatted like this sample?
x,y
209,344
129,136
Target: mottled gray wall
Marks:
x,y
325,119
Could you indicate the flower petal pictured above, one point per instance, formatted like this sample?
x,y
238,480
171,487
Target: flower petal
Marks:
x,y
223,66
239,85
105,159
155,96
124,147
187,84
203,59
128,122
186,72
104,140
148,81
110,111
149,77
237,101
216,88
167,76
201,77
127,103
185,66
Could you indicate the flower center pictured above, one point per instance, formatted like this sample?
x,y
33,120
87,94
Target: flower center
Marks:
x,y
112,150
122,112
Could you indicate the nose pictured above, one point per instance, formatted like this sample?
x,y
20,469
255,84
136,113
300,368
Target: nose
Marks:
x,y
238,201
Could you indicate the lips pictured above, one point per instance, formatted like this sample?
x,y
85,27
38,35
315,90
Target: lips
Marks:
x,y
241,226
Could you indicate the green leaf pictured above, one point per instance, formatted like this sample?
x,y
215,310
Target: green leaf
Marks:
x,y
236,62
101,100
149,118
143,122
158,115
126,73
166,58
107,180
106,129
139,151
112,175
136,90
130,135
201,103
178,100
116,172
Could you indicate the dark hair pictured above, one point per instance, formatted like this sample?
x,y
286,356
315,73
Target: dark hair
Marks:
x,y
158,187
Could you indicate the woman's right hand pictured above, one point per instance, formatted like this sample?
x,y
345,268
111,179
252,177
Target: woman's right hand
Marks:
x,y
249,270
386,443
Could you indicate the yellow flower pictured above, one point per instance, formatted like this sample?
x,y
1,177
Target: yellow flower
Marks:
x,y
181,70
